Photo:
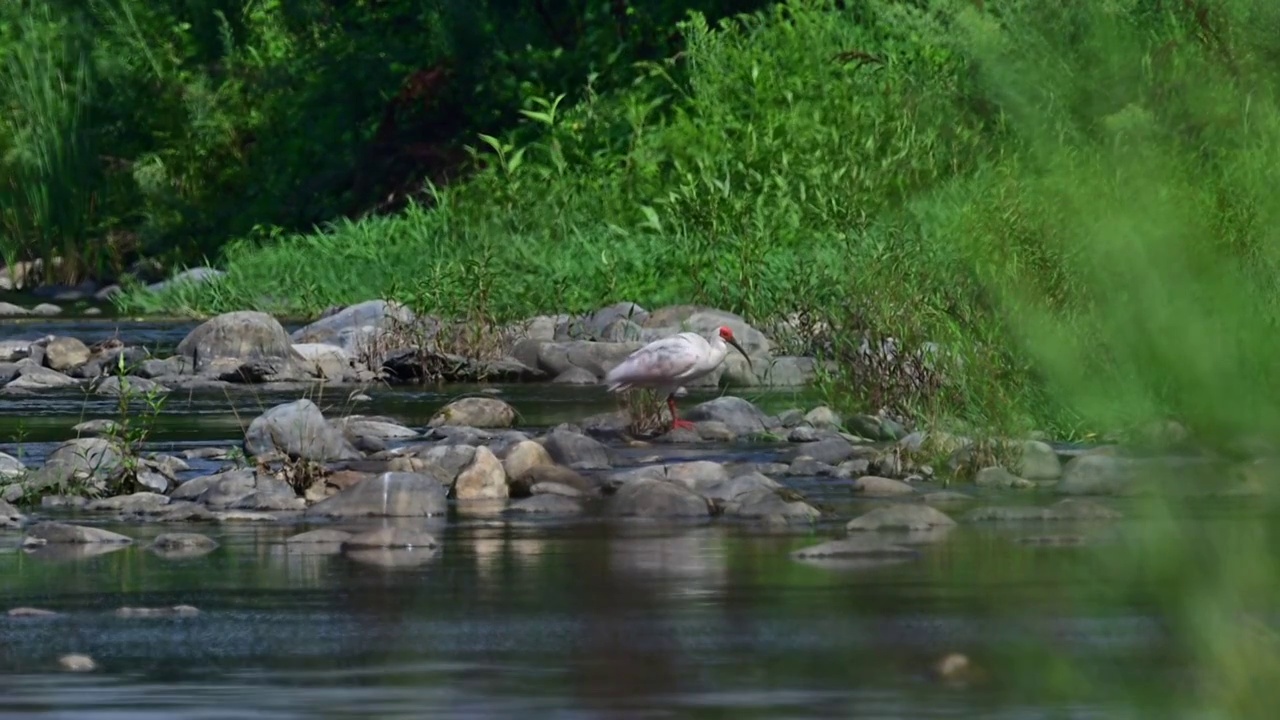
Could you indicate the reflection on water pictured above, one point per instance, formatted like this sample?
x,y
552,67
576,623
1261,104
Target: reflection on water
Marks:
x,y
537,617
584,620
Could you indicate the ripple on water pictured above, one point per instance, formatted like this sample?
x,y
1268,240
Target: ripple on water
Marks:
x,y
534,617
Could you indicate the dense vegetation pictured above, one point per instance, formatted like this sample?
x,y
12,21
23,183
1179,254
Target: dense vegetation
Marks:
x,y
1075,202
165,128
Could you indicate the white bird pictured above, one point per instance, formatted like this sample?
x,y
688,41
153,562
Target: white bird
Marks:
x,y
667,364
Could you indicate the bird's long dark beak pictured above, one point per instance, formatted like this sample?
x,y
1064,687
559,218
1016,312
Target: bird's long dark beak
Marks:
x,y
734,343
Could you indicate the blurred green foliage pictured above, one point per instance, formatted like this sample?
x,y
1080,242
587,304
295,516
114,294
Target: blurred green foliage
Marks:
x,y
1059,217
162,129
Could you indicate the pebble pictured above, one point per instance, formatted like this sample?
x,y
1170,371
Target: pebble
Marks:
x,y
75,662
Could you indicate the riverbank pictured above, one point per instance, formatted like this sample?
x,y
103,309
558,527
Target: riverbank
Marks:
x,y
191,510
1081,269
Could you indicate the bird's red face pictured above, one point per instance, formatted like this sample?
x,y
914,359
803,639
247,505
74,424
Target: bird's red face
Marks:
x,y
727,335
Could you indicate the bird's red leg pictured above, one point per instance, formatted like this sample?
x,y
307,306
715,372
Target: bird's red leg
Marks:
x,y
676,422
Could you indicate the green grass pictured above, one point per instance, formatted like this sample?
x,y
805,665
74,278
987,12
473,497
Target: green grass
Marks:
x,y
1077,205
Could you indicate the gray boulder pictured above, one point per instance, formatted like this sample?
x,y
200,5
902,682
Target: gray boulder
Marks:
x,y
298,430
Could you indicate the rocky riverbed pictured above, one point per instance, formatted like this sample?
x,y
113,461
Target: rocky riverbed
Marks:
x,y
377,341
364,537
740,464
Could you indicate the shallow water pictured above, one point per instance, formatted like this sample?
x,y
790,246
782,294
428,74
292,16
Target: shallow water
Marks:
x,y
558,619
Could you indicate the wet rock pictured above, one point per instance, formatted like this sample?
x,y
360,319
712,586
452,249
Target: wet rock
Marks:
x,y
297,430
545,504
99,427
737,414
791,418
868,547
523,456
356,328
247,516
621,331
392,537
382,428
9,309
739,486
222,488
35,378
1038,461
323,536
946,497
30,612
269,493
857,467
576,451
56,533
180,511
805,466
874,428
555,488
823,417
115,386
134,503
240,489
243,340
617,479
321,360
804,434
483,479
714,431
1069,509
1098,474
576,376
460,435
59,502
390,494
188,277
908,517
449,458
168,465
155,368
679,435
13,350
555,358
887,464
829,451
528,482
876,486
64,353
477,412
157,612
790,371
75,662
9,516
183,545
82,460
598,323
696,474
998,477
656,499
769,505
46,310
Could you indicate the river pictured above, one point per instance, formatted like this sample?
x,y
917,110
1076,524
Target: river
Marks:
x,y
554,618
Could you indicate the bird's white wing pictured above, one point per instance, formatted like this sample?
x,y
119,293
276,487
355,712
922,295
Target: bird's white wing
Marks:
x,y
661,362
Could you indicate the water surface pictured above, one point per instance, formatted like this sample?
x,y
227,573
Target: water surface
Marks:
x,y
560,619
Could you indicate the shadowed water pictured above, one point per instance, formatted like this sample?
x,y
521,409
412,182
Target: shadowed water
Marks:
x,y
560,618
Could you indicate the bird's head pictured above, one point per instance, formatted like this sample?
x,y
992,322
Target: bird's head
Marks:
x,y
726,334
